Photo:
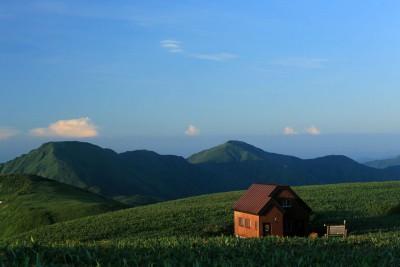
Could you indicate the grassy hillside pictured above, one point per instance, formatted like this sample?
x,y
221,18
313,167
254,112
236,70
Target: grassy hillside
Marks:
x,y
29,201
367,207
197,232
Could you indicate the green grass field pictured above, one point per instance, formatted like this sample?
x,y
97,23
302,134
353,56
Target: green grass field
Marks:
x,y
29,201
366,250
198,231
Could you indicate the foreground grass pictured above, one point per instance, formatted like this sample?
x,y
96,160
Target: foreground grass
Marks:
x,y
368,250
197,231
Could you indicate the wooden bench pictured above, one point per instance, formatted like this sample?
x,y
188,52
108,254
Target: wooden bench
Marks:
x,y
336,230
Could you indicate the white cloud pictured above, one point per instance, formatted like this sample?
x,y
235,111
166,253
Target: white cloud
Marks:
x,y
192,130
289,131
305,63
77,128
313,130
7,132
172,46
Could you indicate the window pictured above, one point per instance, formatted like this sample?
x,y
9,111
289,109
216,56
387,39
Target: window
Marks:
x,y
247,223
286,203
241,222
287,226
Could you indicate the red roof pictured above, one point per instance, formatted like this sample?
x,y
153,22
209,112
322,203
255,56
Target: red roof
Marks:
x,y
261,196
256,198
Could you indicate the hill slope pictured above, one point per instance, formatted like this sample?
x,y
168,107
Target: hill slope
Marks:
x,y
385,163
365,206
29,201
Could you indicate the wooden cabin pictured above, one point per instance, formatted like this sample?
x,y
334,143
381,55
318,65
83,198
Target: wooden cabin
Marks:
x,y
270,209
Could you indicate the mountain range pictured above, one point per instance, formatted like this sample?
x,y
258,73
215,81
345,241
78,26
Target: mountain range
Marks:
x,y
384,163
146,176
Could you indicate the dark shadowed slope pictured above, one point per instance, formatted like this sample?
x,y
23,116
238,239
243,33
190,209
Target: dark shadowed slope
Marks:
x,y
29,201
339,169
168,176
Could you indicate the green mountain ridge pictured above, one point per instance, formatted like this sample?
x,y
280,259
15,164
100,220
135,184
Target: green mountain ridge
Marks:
x,y
237,160
30,201
237,151
147,176
231,151
108,173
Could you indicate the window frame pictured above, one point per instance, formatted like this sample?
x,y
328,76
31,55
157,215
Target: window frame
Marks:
x,y
241,222
286,203
247,223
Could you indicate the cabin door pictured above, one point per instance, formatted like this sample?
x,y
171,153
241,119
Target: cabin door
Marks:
x,y
267,229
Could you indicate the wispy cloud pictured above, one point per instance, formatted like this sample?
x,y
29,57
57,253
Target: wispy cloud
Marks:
x,y
289,131
174,46
192,130
78,128
313,130
305,63
7,132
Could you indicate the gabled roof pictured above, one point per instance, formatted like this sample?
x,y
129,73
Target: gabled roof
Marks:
x,y
255,198
259,197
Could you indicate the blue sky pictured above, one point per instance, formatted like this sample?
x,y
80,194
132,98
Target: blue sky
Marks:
x,y
307,78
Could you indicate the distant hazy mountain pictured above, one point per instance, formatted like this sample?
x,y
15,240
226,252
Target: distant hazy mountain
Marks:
x,y
383,164
147,176
30,201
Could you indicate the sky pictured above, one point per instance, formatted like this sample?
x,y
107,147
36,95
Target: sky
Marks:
x,y
306,78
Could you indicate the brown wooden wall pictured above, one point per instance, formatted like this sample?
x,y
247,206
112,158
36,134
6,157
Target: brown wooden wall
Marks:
x,y
298,214
285,194
243,231
273,216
